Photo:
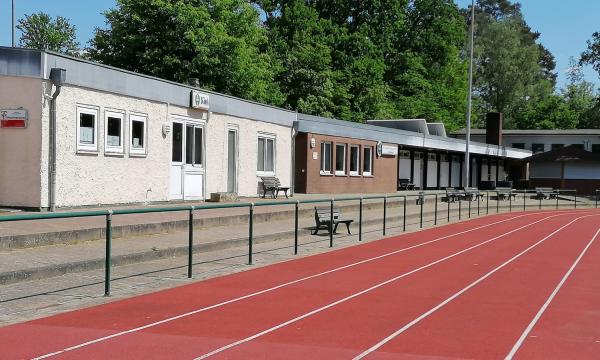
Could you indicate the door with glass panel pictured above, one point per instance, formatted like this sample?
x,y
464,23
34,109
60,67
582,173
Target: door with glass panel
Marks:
x,y
187,160
232,161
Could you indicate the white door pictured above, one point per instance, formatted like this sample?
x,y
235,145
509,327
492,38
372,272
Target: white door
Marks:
x,y
432,167
418,169
232,160
187,160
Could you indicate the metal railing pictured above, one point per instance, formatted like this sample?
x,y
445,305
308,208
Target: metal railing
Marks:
x,y
420,199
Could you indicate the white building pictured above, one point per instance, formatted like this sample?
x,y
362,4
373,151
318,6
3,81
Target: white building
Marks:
x,y
123,137
542,140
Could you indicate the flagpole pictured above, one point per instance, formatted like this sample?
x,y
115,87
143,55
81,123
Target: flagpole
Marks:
x,y
467,182
12,29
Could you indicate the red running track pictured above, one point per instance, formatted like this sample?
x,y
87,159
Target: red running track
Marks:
x,y
522,285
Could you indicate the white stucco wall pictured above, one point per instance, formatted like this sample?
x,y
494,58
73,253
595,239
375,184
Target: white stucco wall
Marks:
x,y
248,131
100,178
20,149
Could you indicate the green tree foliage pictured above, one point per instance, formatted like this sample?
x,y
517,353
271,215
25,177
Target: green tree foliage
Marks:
x,y
220,42
512,71
591,55
40,31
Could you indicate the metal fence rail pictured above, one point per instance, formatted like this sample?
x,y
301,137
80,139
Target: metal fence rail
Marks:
x,y
419,198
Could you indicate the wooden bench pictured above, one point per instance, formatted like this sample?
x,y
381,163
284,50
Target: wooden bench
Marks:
x,y
505,193
472,194
272,184
405,184
323,219
543,193
452,195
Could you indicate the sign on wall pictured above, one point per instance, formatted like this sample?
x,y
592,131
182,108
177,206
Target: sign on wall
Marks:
x,y
386,149
199,100
13,118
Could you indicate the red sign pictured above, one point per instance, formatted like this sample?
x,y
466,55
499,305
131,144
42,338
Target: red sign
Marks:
x,y
13,118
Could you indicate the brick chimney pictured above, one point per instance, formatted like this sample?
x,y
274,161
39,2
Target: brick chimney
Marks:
x,y
493,128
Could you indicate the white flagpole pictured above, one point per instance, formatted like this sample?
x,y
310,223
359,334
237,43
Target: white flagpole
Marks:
x,y
467,178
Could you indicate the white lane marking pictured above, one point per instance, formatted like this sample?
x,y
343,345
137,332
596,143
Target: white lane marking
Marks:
x,y
362,292
143,327
537,316
465,289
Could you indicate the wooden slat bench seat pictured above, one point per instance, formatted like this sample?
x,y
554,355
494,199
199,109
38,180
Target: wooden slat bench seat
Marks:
x,y
273,185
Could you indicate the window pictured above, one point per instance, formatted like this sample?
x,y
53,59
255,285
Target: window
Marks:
x,y
266,154
193,145
87,129
537,148
596,148
113,136
368,161
557,146
518,145
340,159
177,150
137,134
326,158
354,160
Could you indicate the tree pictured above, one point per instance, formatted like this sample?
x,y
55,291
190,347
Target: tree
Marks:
x,y
220,42
40,31
591,55
512,70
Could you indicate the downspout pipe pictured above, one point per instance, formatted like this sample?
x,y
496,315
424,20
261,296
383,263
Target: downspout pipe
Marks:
x,y
57,77
293,169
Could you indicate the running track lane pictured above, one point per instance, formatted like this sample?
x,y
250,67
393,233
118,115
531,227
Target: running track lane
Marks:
x,y
345,330
485,321
569,324
73,328
185,338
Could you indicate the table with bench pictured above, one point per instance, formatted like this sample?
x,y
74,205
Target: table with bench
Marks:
x,y
472,194
323,219
543,193
273,185
405,184
505,193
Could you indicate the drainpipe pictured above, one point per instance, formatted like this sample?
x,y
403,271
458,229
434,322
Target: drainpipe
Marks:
x,y
57,77
293,169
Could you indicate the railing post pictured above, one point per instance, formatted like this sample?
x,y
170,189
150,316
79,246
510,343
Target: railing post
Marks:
x,y
448,200
477,206
384,212
487,202
435,210
404,215
540,201
107,260
422,200
575,198
250,232
190,241
459,208
596,199
360,210
331,224
557,195
524,196
296,227
470,208
509,201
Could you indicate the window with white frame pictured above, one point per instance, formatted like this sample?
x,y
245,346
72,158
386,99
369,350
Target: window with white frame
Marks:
x,y
354,160
340,159
368,161
137,134
113,132
193,145
326,156
87,128
266,154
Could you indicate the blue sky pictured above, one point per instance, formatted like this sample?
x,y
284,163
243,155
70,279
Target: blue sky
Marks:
x,y
564,28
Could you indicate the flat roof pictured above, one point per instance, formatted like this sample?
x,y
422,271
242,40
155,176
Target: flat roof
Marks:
x,y
558,132
96,76
348,129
